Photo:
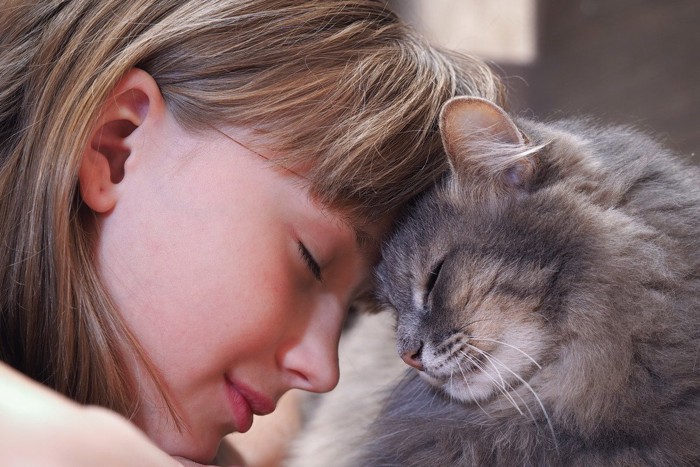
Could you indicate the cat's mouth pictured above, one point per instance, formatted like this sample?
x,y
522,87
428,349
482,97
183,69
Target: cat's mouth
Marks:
x,y
470,373
453,368
469,362
460,362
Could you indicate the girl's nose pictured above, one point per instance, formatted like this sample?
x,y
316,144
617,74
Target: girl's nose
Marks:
x,y
312,361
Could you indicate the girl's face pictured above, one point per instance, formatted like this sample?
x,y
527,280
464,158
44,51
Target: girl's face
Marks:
x,y
234,281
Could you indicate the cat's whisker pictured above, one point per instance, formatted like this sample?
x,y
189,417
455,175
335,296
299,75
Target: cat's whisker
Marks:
x,y
471,392
511,346
451,376
465,326
511,399
534,393
453,341
501,387
498,373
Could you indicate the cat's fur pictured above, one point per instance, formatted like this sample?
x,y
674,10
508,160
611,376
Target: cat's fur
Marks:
x,y
550,289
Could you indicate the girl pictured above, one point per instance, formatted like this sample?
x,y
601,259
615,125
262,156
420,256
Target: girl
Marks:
x,y
191,197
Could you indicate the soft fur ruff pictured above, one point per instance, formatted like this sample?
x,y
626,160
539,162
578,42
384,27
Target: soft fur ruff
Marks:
x,y
548,292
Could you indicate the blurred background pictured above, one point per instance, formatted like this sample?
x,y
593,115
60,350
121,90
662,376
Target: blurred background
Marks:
x,y
622,61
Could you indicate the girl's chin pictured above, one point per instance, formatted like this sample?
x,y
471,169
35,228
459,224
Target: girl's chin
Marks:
x,y
181,446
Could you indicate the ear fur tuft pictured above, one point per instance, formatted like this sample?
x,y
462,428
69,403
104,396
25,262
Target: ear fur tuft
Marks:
x,y
484,145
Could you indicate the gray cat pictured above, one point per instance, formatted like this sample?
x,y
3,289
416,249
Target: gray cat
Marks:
x,y
548,293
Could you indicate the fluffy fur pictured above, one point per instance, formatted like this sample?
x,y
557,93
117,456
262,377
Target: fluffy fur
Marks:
x,y
549,288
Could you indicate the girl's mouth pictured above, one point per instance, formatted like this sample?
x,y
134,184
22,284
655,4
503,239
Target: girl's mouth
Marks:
x,y
246,402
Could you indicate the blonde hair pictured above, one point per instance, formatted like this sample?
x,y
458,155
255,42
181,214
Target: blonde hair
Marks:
x,y
343,86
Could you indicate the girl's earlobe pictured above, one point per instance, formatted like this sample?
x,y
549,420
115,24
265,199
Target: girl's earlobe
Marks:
x,y
134,100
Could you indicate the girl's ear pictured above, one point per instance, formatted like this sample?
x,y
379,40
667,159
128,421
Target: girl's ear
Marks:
x,y
483,144
135,99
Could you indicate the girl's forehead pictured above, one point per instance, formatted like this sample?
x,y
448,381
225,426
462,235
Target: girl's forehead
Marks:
x,y
368,234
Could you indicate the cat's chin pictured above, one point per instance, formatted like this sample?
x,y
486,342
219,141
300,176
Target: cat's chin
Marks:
x,y
459,389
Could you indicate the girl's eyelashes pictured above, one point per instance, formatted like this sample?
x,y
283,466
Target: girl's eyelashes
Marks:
x,y
310,261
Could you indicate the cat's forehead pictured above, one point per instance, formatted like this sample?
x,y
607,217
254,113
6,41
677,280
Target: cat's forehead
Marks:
x,y
423,232
537,227
418,241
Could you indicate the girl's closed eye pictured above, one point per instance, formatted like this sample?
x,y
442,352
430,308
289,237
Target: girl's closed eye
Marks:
x,y
310,261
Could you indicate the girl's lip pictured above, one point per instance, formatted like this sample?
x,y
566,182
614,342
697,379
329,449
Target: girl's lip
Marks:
x,y
246,402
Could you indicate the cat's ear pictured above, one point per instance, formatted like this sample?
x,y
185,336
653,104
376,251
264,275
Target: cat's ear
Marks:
x,y
483,144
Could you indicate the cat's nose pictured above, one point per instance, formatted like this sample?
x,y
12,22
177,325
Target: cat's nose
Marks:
x,y
413,358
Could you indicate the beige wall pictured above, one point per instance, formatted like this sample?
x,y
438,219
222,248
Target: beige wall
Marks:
x,y
501,30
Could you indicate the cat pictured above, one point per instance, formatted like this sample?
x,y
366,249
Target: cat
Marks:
x,y
547,294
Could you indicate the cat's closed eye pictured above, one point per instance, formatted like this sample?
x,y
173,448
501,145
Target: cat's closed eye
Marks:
x,y
433,276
